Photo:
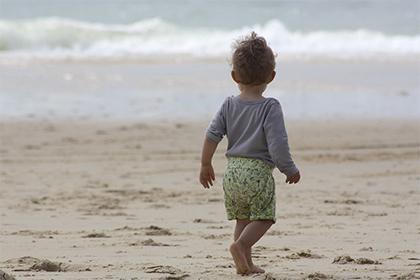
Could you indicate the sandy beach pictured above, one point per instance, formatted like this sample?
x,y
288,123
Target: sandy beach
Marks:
x,y
103,112
121,200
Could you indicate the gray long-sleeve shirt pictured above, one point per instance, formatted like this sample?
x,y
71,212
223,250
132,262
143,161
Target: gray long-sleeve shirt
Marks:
x,y
254,129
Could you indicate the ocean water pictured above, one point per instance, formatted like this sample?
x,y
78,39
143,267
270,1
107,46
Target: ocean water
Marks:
x,y
160,59
76,29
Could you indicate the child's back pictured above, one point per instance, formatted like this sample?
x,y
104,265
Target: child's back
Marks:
x,y
255,129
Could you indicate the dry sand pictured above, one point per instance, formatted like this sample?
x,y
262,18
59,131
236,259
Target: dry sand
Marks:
x,y
111,200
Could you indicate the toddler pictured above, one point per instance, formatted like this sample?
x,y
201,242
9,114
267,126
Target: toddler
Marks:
x,y
257,142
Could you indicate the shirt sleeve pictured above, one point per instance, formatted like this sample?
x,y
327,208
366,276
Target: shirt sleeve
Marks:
x,y
217,128
277,140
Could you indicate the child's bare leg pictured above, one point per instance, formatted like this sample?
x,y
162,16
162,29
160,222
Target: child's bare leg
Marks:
x,y
238,254
240,225
252,232
253,268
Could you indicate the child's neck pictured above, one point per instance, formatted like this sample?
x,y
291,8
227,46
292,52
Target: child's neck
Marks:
x,y
252,92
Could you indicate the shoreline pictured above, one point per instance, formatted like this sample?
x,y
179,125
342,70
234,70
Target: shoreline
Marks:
x,y
190,90
19,59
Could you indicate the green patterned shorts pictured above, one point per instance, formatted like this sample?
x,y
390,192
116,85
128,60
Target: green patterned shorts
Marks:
x,y
249,189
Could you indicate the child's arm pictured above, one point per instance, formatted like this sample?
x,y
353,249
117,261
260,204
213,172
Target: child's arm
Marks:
x,y
207,173
278,145
214,134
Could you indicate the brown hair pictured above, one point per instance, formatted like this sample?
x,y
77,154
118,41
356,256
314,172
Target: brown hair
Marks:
x,y
252,60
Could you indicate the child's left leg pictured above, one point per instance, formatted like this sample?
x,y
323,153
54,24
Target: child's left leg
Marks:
x,y
240,226
241,263
251,232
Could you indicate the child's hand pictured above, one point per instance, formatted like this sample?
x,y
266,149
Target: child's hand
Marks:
x,y
293,179
207,176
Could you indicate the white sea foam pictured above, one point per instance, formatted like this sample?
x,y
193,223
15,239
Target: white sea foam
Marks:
x,y
63,38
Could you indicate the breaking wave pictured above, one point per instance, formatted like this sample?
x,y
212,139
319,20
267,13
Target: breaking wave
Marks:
x,y
64,38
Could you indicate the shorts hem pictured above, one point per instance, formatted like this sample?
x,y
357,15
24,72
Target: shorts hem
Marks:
x,y
263,218
253,218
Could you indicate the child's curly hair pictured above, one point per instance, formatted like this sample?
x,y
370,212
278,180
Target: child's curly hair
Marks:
x,y
252,60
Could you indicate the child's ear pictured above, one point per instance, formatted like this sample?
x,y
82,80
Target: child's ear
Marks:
x,y
273,74
232,73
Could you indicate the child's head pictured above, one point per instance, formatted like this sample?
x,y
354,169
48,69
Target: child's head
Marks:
x,y
253,61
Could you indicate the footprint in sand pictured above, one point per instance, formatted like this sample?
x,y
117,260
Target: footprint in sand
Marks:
x,y
159,206
269,276
216,236
282,232
368,249
345,259
5,276
214,200
318,276
96,235
203,221
176,273
28,263
150,242
128,228
346,201
155,230
406,276
304,254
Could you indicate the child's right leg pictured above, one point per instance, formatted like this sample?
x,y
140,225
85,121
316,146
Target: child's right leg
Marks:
x,y
241,248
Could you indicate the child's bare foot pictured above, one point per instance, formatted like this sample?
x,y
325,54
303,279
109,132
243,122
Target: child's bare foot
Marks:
x,y
256,269
238,255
